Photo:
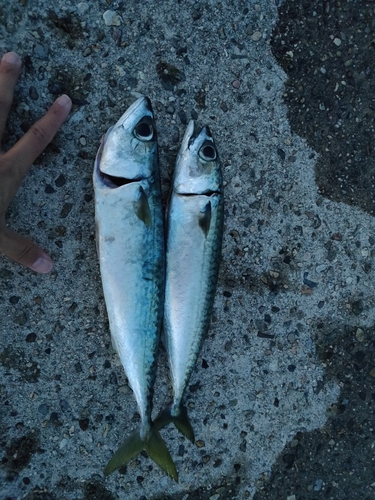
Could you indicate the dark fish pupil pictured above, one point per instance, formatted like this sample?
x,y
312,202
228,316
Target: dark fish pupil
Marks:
x,y
209,152
143,130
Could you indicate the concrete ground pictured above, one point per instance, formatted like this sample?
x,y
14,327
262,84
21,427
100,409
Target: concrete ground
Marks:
x,y
282,398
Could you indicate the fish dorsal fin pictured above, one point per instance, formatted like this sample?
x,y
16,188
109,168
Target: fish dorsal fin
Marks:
x,y
205,218
142,208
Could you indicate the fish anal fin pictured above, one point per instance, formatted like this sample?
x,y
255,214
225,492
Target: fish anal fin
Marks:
x,y
142,207
205,218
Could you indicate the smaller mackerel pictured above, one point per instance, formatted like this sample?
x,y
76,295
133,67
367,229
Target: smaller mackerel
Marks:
x,y
130,241
193,252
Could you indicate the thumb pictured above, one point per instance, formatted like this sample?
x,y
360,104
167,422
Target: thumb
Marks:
x,y
24,251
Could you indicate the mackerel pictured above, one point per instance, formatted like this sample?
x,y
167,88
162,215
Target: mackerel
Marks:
x,y
195,228
130,244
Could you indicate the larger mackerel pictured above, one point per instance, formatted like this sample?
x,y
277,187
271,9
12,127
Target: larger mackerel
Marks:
x,y
130,240
195,228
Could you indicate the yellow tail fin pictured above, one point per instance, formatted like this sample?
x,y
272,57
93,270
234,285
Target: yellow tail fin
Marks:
x,y
133,445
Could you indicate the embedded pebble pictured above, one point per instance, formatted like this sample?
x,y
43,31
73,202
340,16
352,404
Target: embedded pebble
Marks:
x,y
256,36
360,335
33,93
318,485
82,7
337,42
63,443
60,180
66,210
175,135
111,18
41,52
43,409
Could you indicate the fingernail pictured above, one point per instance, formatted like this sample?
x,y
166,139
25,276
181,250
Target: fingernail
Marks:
x,y
42,265
64,100
11,58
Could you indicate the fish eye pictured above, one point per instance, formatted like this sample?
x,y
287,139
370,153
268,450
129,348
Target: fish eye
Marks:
x,y
144,131
207,153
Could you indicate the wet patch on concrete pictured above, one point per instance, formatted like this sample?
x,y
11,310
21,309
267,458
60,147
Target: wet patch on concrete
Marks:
x,y
15,359
336,461
327,50
95,490
18,453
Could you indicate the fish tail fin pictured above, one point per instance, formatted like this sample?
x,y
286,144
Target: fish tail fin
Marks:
x,y
181,421
131,447
134,444
159,453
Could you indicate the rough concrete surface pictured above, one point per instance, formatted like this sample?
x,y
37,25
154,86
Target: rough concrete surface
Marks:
x,y
282,398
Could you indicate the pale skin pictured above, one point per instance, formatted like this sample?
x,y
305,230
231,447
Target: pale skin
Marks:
x,y
15,163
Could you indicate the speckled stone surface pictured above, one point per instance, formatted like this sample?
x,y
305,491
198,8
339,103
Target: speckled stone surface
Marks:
x,y
290,352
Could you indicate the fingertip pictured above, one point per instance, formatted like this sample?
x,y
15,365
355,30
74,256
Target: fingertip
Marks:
x,y
64,101
12,58
42,265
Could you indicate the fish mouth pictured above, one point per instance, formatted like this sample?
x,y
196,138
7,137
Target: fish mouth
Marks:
x,y
207,192
114,182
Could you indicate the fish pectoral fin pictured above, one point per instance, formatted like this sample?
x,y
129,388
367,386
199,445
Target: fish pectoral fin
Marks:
x,y
205,218
181,422
159,453
142,207
134,444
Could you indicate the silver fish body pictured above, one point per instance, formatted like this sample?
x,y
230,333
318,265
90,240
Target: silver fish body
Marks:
x,y
195,228
130,242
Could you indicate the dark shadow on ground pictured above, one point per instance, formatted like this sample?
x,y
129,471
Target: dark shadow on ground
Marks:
x,y
327,49
337,461
328,52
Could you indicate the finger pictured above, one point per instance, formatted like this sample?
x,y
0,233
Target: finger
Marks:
x,y
24,251
29,147
10,67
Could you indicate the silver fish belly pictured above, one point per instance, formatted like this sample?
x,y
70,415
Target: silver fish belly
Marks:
x,y
195,228
130,241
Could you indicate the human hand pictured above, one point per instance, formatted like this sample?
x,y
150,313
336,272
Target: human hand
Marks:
x,y
15,163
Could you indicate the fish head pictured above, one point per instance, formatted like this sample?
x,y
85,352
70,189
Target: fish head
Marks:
x,y
197,166
129,149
